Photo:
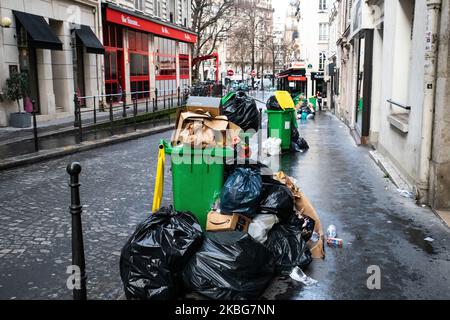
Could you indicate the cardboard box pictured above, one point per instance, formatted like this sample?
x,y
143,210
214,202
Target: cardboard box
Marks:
x,y
225,132
223,222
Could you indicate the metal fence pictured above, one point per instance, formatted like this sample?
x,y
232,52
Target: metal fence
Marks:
x,y
108,108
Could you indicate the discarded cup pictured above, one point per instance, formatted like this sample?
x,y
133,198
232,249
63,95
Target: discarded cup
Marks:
x,y
335,242
298,275
331,231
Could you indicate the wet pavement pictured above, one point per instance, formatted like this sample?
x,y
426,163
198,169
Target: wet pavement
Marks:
x,y
378,225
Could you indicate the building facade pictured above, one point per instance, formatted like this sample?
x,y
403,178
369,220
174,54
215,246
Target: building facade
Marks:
x,y
148,46
313,38
393,64
43,41
93,48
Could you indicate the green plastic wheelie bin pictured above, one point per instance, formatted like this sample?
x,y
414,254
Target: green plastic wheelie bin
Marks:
x,y
313,101
279,125
197,177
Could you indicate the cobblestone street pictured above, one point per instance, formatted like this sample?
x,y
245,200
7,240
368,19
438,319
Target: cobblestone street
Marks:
x,y
35,247
378,225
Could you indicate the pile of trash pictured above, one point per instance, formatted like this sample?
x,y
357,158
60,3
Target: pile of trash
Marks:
x,y
260,226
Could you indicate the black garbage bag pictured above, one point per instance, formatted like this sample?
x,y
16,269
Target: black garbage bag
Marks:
x,y
272,104
230,266
265,171
288,246
242,111
241,192
277,199
297,142
152,260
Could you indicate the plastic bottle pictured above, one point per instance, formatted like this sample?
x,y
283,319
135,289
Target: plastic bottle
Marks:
x,y
331,232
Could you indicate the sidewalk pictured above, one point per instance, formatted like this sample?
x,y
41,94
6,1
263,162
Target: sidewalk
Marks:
x,y
10,135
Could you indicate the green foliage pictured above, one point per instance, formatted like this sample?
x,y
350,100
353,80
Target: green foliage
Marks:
x,y
16,87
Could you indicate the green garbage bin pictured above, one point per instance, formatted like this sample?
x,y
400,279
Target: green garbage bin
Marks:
x,y
313,101
279,125
197,177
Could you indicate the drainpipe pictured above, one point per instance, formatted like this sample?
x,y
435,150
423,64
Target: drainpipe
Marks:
x,y
431,54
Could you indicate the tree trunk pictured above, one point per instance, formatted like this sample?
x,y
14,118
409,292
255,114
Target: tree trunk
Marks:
x,y
18,104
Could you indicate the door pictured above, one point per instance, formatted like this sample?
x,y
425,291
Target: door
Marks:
x,y
360,85
32,74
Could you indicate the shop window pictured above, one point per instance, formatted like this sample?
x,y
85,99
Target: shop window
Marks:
x,y
114,63
184,66
165,59
139,66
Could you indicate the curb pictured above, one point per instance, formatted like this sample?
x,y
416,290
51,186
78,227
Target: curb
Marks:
x,y
84,146
389,170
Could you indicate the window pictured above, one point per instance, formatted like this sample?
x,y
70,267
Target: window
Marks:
x,y
322,58
323,31
139,5
157,8
139,66
322,5
165,59
112,40
184,60
172,11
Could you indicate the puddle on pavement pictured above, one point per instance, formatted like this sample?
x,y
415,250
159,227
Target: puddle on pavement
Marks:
x,y
416,237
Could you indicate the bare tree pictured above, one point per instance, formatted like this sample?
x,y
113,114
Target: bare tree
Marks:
x,y
240,55
210,23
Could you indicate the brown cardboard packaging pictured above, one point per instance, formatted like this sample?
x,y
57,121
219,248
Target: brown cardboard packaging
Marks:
x,y
204,126
223,222
304,207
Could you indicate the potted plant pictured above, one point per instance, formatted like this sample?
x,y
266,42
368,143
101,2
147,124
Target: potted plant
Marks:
x,y
16,88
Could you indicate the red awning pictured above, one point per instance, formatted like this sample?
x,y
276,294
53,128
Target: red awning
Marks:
x,y
296,78
145,25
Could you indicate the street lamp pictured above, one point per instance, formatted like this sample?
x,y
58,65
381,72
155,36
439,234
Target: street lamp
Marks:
x,y
6,22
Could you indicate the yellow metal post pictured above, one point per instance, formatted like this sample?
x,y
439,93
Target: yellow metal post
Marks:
x,y
159,181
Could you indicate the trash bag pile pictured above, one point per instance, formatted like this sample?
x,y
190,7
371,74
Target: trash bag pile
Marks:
x,y
230,266
241,109
169,255
152,260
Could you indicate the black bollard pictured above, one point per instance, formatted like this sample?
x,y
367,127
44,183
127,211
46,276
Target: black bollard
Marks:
x,y
76,110
135,109
95,112
111,116
76,209
35,133
260,134
124,105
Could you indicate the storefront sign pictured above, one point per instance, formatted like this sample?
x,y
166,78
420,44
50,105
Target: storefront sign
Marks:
x,y
297,78
130,21
317,76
